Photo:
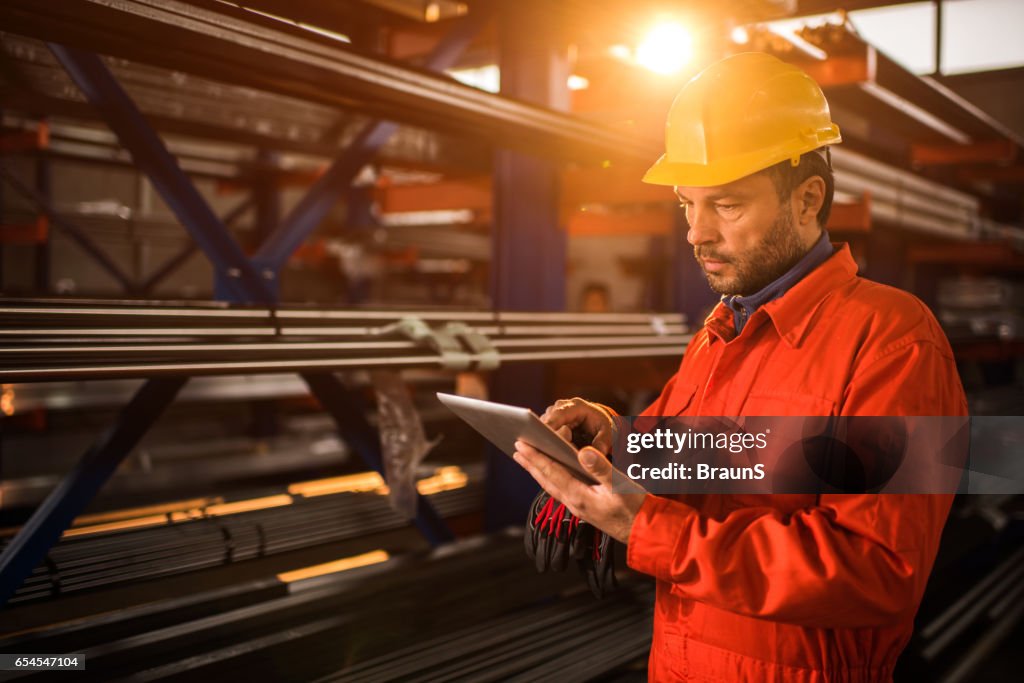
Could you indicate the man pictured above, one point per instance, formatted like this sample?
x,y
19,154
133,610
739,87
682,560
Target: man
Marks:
x,y
595,298
803,588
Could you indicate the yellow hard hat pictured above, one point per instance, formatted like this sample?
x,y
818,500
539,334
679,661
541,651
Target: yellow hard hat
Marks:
x,y
739,116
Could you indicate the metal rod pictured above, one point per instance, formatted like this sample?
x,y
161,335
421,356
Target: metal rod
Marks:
x,y
187,349
312,365
155,309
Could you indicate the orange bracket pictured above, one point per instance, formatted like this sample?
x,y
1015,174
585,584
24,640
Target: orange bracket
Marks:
x,y
446,195
851,216
26,233
25,140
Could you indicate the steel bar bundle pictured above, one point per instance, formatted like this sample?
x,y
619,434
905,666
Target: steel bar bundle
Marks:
x,y
572,640
202,538
908,200
436,614
40,342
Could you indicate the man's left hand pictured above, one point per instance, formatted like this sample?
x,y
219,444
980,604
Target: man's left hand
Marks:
x,y
600,504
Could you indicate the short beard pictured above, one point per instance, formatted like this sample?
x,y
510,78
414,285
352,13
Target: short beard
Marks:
x,y
755,269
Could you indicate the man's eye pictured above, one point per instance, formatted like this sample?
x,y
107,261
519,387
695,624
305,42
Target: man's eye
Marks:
x,y
727,207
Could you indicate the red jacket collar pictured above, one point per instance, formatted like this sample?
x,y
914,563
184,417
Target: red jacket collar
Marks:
x,y
792,312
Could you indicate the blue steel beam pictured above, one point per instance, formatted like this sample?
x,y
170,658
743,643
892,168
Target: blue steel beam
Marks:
x,y
150,154
29,546
321,197
333,184
360,434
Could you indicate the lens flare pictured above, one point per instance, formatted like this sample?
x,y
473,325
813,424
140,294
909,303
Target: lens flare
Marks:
x,y
666,49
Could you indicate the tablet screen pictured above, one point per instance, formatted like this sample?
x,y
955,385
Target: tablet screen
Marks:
x,y
503,425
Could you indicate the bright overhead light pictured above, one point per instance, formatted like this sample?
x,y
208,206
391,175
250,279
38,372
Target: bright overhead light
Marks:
x,y
740,36
578,82
666,49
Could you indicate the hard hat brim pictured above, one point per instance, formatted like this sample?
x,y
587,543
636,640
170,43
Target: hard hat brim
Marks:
x,y
723,171
665,172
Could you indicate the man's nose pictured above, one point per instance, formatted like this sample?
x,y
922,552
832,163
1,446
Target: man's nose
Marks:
x,y
701,227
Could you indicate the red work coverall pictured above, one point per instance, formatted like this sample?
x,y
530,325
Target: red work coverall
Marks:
x,y
798,588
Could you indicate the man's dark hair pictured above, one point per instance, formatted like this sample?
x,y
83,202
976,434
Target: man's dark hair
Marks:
x,y
787,177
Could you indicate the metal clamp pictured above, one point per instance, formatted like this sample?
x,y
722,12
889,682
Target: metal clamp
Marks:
x,y
488,356
453,356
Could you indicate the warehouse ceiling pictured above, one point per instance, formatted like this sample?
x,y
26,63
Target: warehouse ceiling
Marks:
x,y
317,90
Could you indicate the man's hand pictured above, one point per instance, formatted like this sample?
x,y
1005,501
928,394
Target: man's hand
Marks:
x,y
582,418
598,504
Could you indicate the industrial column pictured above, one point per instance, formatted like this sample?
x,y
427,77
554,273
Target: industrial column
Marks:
x,y
528,243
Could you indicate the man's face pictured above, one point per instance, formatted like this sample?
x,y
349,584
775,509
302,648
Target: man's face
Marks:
x,y
595,301
743,237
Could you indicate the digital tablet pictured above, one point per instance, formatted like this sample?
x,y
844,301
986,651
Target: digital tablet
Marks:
x,y
503,425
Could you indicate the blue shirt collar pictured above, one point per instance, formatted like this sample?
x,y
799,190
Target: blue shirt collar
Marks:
x,y
744,306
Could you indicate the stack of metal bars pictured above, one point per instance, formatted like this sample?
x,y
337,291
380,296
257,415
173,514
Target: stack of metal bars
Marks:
x,y
40,342
116,554
408,618
575,639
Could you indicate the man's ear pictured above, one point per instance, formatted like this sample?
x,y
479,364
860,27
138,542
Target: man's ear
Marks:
x,y
809,196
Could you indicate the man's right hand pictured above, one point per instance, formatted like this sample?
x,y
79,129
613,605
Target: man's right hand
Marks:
x,y
590,423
